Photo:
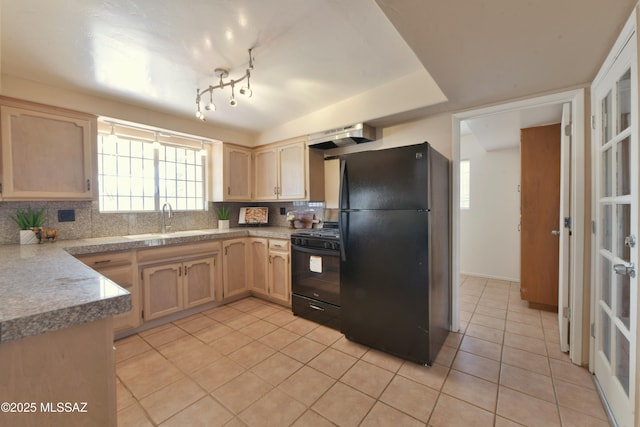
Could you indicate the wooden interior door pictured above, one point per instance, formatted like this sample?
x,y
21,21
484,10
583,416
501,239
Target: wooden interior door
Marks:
x,y
539,207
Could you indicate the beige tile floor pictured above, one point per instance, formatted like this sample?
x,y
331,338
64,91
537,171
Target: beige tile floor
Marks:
x,y
254,363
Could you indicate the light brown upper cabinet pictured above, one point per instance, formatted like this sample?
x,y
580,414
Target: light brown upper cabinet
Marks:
x,y
331,183
47,152
265,171
288,171
231,173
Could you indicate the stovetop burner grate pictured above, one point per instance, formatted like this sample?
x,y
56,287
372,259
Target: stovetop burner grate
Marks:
x,y
327,233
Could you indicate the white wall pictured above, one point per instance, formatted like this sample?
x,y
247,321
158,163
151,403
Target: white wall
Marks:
x,y
435,129
61,97
410,92
489,237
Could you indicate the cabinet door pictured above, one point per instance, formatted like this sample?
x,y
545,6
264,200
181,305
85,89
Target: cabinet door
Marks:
x,y
331,183
199,281
125,276
279,276
258,267
234,267
265,172
237,168
162,286
46,155
293,179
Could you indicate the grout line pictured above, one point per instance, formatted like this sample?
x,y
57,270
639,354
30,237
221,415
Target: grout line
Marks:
x,y
395,373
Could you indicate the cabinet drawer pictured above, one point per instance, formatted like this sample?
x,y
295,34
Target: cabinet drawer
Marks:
x,y
107,259
172,252
279,245
123,275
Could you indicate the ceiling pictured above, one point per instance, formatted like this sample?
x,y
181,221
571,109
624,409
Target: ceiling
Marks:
x,y
483,52
502,130
309,54
156,53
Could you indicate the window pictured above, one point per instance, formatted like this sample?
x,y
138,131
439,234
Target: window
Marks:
x,y
180,173
465,184
134,176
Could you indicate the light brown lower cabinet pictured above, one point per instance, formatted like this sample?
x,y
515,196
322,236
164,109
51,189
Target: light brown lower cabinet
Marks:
x,y
270,269
259,267
279,270
234,267
120,267
168,279
169,288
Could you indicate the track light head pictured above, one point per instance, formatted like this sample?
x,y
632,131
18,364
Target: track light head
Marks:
x,y
223,73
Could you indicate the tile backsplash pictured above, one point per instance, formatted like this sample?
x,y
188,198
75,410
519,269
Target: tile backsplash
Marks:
x,y
90,222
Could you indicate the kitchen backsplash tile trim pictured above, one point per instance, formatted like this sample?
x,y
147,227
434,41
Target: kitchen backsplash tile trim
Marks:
x,y
90,222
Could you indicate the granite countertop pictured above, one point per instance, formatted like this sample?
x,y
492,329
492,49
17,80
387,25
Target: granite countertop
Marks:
x,y
44,288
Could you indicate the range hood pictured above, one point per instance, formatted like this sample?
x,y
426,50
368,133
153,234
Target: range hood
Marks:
x,y
341,137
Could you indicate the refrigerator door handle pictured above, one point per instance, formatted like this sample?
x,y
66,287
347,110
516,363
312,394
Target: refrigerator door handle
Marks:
x,y
343,196
343,225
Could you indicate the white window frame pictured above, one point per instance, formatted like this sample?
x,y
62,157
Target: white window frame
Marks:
x,y
187,174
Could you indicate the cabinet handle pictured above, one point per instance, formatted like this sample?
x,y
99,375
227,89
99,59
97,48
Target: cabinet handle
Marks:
x,y
228,190
102,261
179,271
186,270
88,185
275,190
270,258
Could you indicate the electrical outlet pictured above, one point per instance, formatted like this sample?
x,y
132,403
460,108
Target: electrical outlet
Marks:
x,y
66,215
283,211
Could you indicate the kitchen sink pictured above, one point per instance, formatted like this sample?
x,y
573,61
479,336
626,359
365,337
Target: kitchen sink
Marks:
x,y
174,234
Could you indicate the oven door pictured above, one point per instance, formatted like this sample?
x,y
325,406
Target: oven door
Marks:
x,y
315,274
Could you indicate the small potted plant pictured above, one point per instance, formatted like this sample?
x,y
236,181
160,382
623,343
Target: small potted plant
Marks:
x,y
29,221
223,218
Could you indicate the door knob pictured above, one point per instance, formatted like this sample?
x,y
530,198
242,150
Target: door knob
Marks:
x,y
625,269
555,232
630,241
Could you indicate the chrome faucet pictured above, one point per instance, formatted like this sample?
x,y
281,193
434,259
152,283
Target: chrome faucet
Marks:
x,y
166,215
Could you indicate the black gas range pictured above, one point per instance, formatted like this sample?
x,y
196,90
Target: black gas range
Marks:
x,y
326,238
315,275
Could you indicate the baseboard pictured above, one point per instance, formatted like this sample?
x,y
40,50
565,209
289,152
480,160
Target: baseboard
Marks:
x,y
490,276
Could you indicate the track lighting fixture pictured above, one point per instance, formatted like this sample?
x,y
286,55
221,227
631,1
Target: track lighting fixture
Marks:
x,y
222,74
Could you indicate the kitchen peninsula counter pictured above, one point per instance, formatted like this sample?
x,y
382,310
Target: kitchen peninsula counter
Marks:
x,y
44,288
56,327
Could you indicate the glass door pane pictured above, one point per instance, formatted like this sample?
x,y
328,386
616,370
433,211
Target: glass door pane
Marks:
x,y
616,197
624,101
607,129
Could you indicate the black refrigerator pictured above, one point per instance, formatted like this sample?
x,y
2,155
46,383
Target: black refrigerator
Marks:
x,y
395,279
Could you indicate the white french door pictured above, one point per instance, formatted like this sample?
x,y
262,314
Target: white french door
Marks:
x,y
615,159
564,228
